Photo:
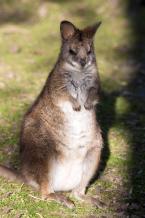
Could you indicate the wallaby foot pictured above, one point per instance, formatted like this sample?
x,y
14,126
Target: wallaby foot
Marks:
x,y
94,201
60,198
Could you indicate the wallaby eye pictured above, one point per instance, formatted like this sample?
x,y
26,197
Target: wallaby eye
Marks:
x,y
72,52
89,52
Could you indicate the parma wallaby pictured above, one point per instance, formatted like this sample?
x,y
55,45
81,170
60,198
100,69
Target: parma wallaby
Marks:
x,y
60,141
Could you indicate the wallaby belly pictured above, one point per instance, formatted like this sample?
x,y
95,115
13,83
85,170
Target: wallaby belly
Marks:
x,y
78,138
67,175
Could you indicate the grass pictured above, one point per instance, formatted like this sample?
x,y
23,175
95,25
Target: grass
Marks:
x,y
29,42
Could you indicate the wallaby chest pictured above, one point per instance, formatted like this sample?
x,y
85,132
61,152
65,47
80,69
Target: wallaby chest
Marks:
x,y
80,81
79,128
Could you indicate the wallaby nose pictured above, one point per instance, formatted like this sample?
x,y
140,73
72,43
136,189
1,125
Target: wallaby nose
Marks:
x,y
83,62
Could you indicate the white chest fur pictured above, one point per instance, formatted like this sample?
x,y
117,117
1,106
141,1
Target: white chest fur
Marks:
x,y
78,128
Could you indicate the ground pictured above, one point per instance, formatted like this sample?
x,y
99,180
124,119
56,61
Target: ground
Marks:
x,y
29,46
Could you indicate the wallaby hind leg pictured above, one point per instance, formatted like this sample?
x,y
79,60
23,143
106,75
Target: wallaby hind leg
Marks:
x,y
38,168
91,164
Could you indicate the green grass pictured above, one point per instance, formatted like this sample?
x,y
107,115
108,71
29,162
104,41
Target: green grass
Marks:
x,y
29,46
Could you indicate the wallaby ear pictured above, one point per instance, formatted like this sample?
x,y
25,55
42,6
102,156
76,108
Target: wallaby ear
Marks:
x,y
67,29
90,31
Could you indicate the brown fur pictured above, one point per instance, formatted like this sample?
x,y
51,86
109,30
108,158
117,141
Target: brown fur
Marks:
x,y
42,141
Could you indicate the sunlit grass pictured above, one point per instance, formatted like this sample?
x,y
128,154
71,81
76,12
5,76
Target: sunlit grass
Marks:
x,y
28,51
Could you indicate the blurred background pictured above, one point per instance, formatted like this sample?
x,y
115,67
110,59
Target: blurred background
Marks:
x,y
29,46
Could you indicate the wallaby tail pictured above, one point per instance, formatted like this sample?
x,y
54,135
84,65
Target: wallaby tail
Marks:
x,y
11,174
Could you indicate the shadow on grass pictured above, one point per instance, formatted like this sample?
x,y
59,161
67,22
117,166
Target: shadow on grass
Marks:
x,y
133,121
135,118
106,117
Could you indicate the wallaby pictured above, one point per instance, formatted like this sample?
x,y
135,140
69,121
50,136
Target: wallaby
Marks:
x,y
60,140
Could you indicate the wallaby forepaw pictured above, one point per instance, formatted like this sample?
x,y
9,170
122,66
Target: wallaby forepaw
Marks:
x,y
88,106
76,107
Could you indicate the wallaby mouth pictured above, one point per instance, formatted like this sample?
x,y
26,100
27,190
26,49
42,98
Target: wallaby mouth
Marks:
x,y
83,62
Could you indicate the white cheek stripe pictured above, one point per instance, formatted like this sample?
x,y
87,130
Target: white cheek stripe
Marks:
x,y
75,67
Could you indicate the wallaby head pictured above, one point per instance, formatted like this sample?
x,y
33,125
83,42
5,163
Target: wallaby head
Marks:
x,y
77,45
